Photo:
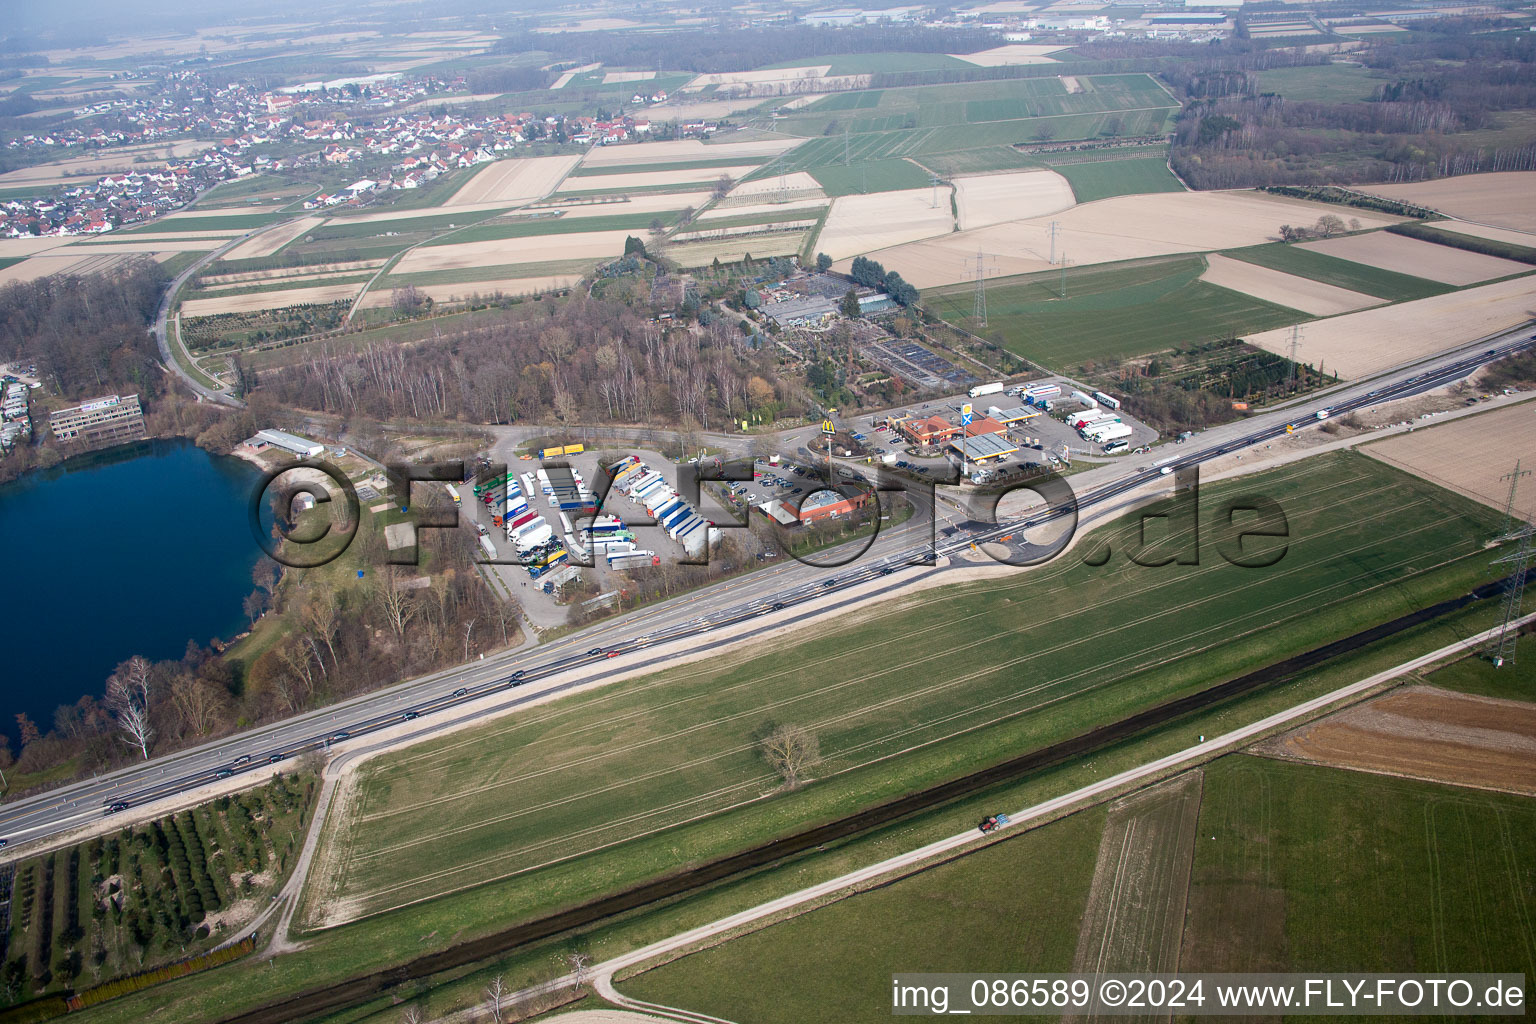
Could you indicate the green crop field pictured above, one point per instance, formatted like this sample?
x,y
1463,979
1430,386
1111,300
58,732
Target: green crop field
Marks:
x,y
584,794
675,165
978,161
930,106
530,226
470,275
347,228
875,63
234,223
958,148
1326,83
1101,179
1111,311
1306,868
870,176
998,909
1358,277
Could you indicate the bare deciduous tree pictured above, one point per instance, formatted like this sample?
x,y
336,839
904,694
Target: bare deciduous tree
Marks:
x,y
496,995
196,702
132,717
791,750
580,966
393,601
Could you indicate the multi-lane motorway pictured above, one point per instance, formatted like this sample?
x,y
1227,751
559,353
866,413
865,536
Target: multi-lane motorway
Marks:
x,y
774,592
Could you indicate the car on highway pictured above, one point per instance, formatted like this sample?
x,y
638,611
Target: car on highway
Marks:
x,y
778,606
224,773
594,652
613,654
462,691
242,759
276,758
4,843
886,570
410,716
829,584
338,737
517,677
114,808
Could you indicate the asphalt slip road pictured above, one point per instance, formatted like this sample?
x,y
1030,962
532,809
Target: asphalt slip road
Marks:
x,y
774,589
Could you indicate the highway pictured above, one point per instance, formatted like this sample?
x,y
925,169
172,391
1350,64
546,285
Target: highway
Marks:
x,y
777,589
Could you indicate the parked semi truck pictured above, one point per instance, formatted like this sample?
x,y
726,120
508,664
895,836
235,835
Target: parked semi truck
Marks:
x,y
453,492
990,388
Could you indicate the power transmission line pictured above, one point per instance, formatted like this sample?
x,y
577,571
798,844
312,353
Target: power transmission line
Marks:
x,y
1501,650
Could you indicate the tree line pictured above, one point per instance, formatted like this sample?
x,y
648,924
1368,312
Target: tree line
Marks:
x,y
1450,81
87,335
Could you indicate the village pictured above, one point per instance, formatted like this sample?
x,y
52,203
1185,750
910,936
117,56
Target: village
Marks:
x,y
283,130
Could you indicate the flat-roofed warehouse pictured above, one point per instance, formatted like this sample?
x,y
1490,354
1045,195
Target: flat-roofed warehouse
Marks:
x,y
287,442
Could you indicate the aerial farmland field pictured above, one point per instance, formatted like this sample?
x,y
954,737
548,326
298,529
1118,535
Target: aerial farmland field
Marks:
x,y
1313,868
1113,311
1374,339
1122,228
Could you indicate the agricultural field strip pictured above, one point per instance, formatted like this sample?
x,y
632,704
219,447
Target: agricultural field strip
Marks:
x,y
598,183
285,284
1280,288
1403,255
1224,626
287,273
732,250
1374,339
278,299
737,230
1135,923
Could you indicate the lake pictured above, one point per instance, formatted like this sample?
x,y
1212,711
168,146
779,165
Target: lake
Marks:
x,y
134,550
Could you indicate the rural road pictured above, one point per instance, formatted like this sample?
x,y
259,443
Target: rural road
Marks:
x,y
161,328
